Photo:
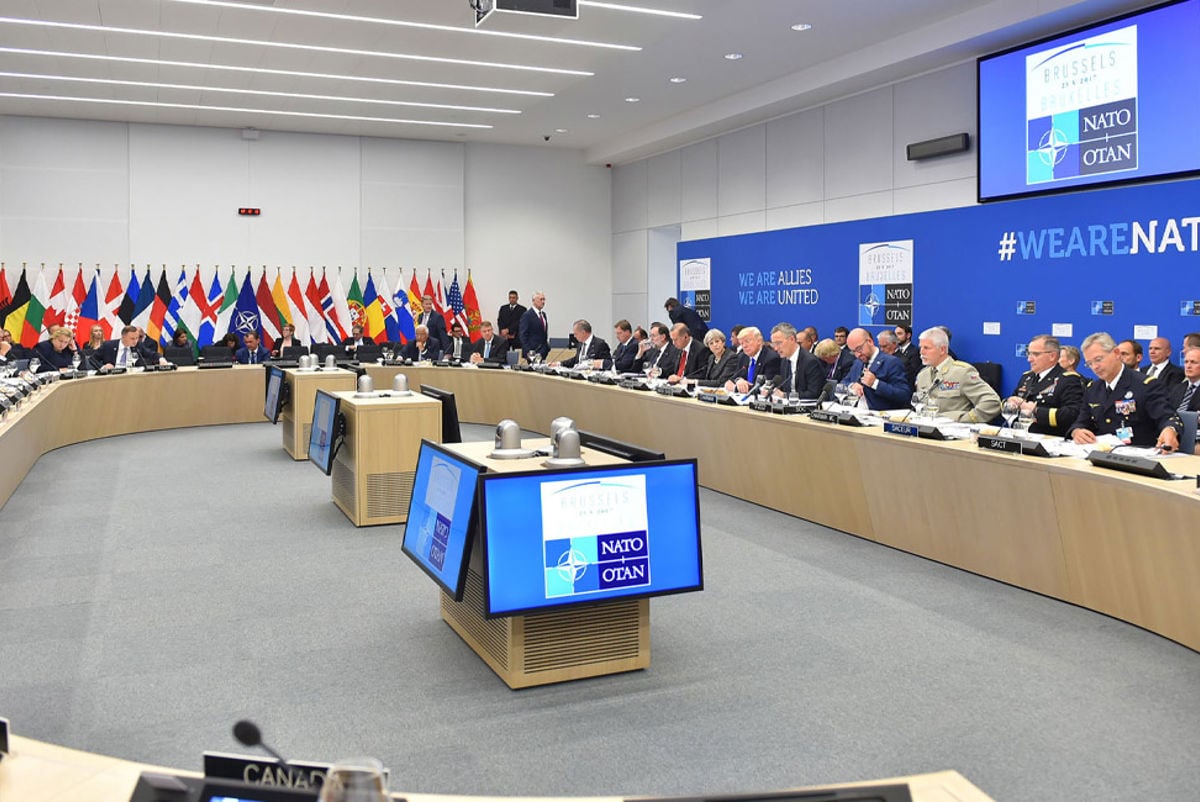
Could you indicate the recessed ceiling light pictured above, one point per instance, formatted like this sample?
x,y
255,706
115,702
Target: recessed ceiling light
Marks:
x,y
678,79
632,99
733,56
593,116
801,26
560,130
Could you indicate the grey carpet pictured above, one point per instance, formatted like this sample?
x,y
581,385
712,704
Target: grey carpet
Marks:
x,y
154,588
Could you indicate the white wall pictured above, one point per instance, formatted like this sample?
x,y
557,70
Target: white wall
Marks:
x,y
118,194
842,161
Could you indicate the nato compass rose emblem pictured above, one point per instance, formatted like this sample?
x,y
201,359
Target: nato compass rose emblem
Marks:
x,y
872,303
572,565
246,321
1052,147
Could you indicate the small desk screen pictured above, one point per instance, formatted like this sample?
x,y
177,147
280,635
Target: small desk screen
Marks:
x,y
324,431
441,515
555,538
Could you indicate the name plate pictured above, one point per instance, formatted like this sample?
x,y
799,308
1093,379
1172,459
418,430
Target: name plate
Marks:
x,y
827,416
903,429
1005,444
299,774
761,405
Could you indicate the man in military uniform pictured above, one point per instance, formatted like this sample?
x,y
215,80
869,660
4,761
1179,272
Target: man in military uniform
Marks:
x,y
1123,402
961,395
1051,393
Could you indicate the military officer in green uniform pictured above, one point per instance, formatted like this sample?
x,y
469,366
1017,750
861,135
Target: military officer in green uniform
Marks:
x,y
960,393
1052,394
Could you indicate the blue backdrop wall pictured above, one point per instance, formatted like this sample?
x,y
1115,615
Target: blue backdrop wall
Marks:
x,y
1117,260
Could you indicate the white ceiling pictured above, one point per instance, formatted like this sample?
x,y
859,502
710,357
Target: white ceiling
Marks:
x,y
853,45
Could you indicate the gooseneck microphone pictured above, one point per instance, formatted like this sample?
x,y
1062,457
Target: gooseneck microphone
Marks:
x,y
248,734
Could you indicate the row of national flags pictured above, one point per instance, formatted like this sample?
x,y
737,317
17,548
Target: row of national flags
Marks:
x,y
315,302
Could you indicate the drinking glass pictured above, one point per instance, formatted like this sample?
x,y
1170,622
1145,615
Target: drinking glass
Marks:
x,y
34,364
840,391
918,404
931,407
75,360
1010,411
358,779
1025,419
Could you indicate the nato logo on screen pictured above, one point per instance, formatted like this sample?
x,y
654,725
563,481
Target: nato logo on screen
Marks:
x,y
433,526
1081,108
594,535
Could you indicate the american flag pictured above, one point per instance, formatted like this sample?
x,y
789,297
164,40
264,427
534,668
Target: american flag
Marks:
x,y
455,302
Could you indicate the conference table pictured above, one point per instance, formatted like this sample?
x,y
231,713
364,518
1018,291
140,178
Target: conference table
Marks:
x,y
1124,545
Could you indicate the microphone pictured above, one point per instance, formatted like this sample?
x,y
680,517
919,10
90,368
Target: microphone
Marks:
x,y
826,391
248,734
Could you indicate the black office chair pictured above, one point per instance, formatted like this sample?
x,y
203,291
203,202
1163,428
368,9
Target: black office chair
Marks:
x,y
216,353
323,350
293,352
990,372
367,353
181,355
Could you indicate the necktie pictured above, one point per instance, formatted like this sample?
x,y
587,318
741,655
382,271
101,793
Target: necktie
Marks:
x,y
1187,397
124,360
752,370
253,357
582,351
682,363
542,317
832,369
487,349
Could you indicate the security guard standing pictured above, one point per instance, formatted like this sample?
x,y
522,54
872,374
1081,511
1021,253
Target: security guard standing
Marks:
x,y
960,393
1123,402
1052,394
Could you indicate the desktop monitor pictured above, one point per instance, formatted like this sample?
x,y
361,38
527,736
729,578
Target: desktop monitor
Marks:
x,y
278,394
450,429
441,516
328,428
617,448
553,539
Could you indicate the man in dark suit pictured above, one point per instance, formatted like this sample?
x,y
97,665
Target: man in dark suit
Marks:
x,y
799,371
508,319
125,352
1160,366
691,357
422,348
252,351
754,362
907,352
678,313
1122,402
460,344
356,338
1130,352
590,347
489,347
626,351
1185,393
430,319
875,376
533,330
1051,393
835,361
656,351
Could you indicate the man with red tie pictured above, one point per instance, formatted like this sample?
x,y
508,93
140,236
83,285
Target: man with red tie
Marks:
x,y
692,359
534,331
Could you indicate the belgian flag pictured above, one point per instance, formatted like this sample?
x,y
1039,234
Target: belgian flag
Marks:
x,y
12,314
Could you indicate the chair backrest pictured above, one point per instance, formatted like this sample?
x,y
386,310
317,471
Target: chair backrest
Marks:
x,y
293,352
216,353
180,355
1187,443
990,373
323,350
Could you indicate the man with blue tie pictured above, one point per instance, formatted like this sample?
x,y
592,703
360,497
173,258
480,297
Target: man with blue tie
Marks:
x,y
755,362
875,376
626,351
251,352
1184,395
489,348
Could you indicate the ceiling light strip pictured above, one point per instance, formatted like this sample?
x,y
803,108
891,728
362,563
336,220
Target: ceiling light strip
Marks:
x,y
639,9
258,92
238,110
427,26
230,40
268,71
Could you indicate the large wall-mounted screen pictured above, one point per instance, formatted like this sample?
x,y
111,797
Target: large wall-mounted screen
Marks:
x,y
1108,103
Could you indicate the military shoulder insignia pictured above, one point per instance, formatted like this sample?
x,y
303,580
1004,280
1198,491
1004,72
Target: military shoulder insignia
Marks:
x,y
1148,380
